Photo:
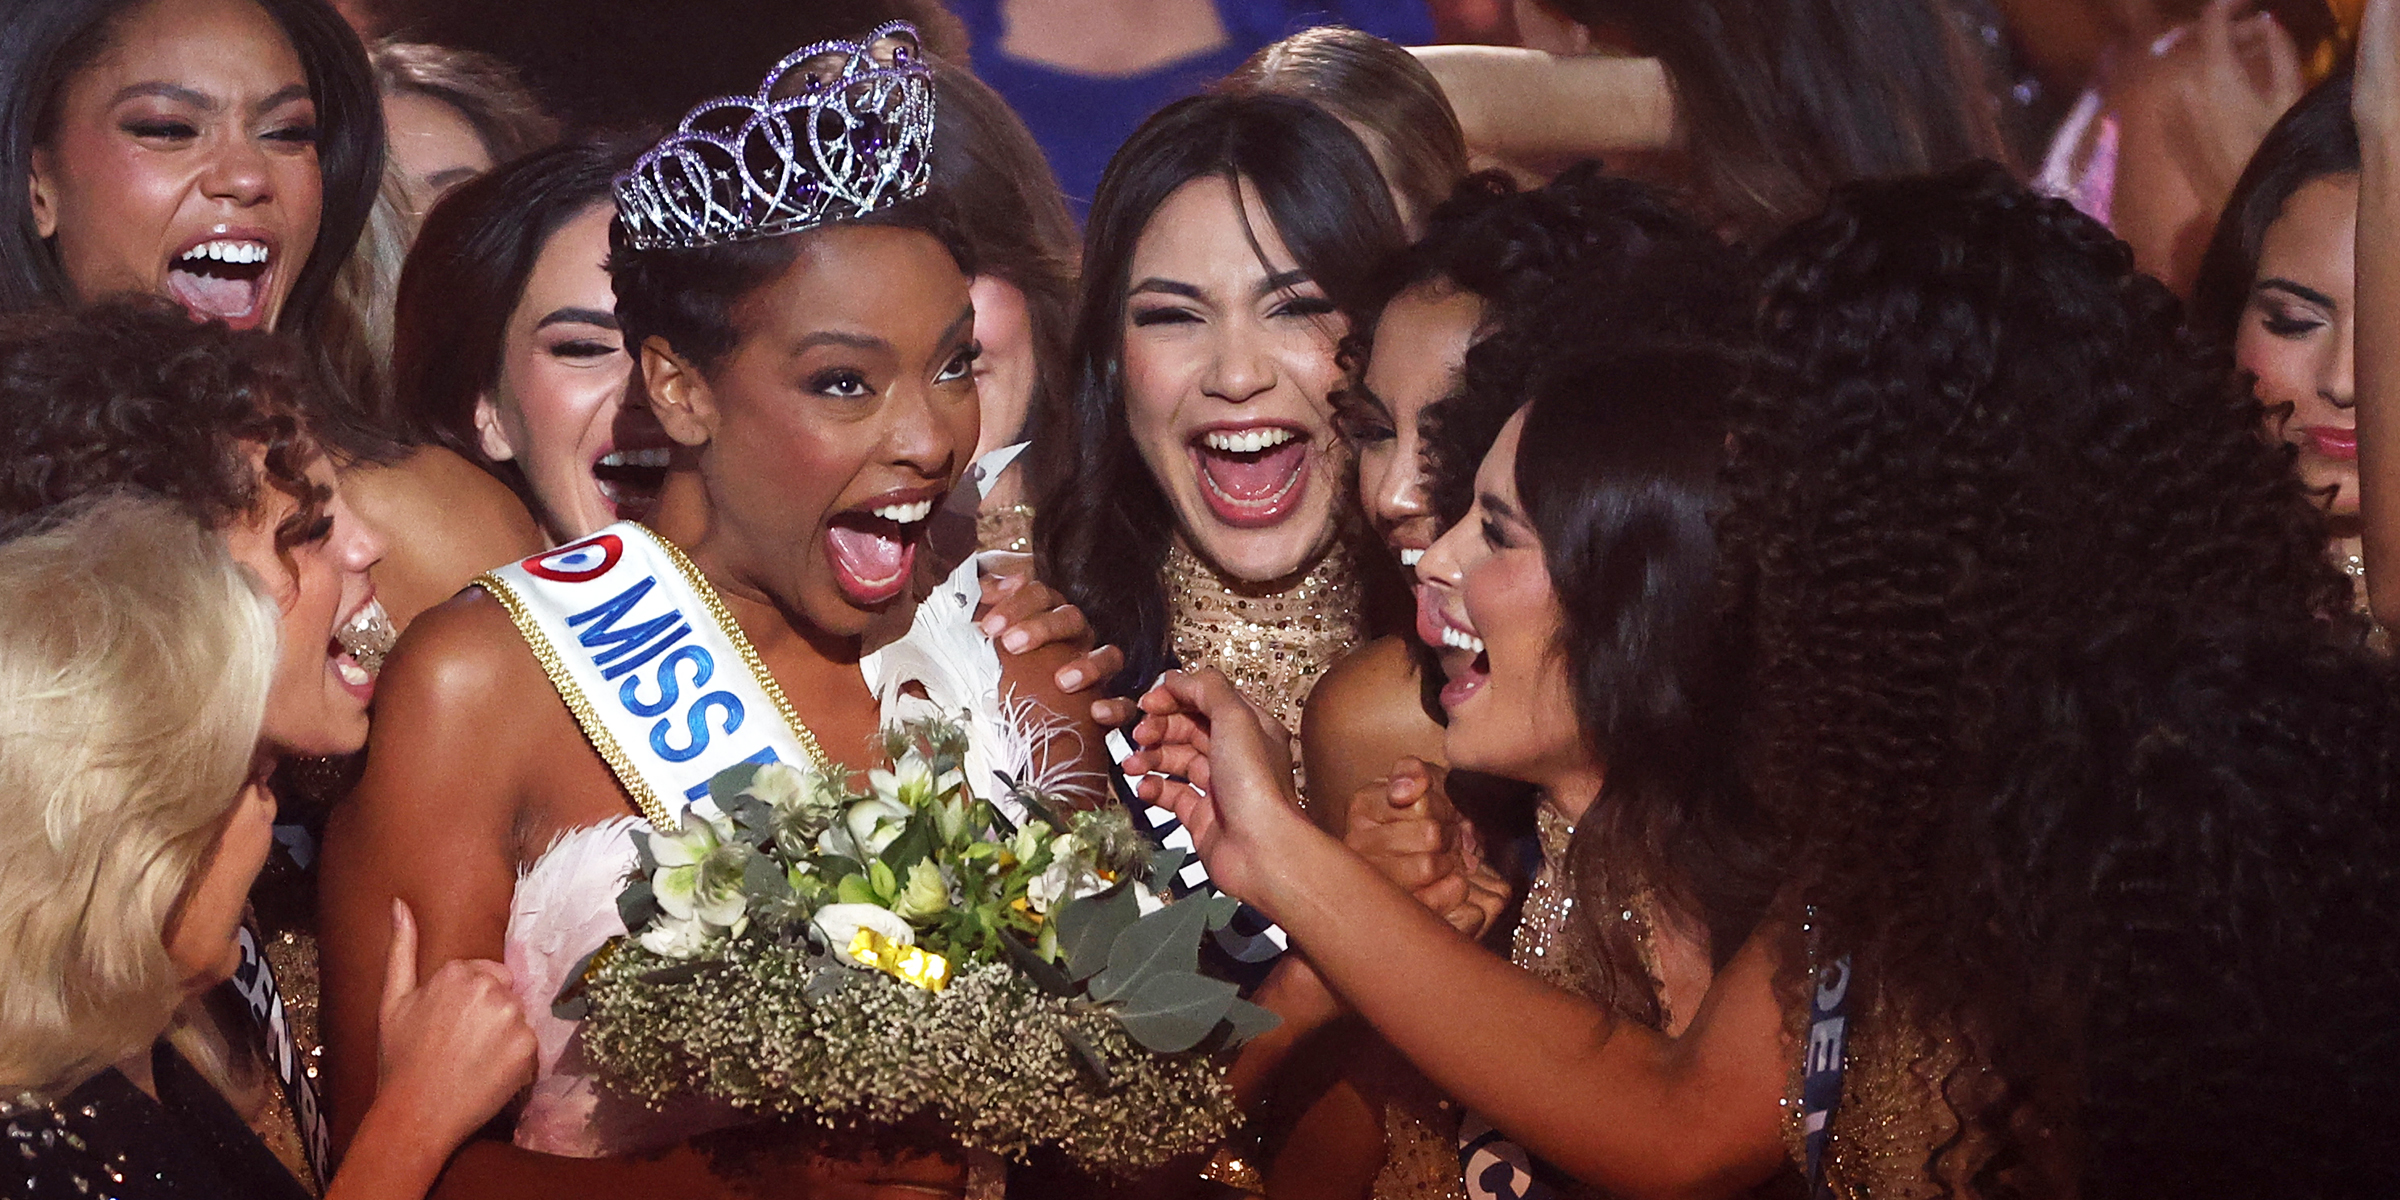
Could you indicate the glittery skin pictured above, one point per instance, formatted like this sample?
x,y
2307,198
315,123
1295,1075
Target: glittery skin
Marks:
x,y
1273,640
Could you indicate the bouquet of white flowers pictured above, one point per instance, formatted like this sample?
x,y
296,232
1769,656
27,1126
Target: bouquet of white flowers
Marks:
x,y
799,948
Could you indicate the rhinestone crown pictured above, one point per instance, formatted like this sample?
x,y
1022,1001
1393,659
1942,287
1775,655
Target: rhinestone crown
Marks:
x,y
838,130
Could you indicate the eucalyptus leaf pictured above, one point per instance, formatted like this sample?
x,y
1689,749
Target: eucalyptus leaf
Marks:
x,y
1166,942
1087,1057
753,816
826,980
641,851
1089,926
835,866
1221,910
731,782
1171,1013
1249,1020
762,880
1043,974
914,845
636,905
1164,865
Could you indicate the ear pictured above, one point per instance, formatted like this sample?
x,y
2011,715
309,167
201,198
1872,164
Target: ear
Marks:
x,y
679,394
43,194
490,432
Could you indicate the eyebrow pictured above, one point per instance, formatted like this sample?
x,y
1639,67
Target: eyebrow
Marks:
x,y
1169,286
1282,281
965,322
578,316
182,94
2309,294
1499,508
1357,392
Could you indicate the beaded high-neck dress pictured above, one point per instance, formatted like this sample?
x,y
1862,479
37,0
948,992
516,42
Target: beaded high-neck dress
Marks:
x,y
1273,640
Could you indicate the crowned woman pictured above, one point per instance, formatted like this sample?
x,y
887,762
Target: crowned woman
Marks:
x,y
797,301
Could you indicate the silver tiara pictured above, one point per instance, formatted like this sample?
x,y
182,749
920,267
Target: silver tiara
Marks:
x,y
852,134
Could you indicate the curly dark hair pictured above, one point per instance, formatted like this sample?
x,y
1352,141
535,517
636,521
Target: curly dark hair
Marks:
x,y
1584,264
132,393
1986,492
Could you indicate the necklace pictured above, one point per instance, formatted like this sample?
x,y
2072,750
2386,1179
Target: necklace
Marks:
x,y
1273,640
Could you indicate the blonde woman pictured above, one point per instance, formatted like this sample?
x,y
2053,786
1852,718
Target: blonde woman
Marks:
x,y
136,658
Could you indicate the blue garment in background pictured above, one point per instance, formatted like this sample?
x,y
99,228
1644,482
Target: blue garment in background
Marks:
x,y
1080,121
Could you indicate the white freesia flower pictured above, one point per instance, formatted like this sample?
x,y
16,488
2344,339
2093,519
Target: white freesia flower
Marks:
x,y
1070,875
841,922
670,937
910,782
865,829
699,871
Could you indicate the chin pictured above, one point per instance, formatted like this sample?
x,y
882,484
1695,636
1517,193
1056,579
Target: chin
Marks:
x,y
1261,555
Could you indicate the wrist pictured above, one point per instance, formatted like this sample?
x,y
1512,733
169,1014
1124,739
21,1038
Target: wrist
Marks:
x,y
394,1152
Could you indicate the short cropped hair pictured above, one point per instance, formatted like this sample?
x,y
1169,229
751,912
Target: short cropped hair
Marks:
x,y
135,657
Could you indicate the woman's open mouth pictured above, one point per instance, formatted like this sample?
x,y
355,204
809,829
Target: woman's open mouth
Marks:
x,y
1461,651
358,647
224,278
873,548
630,479
1251,476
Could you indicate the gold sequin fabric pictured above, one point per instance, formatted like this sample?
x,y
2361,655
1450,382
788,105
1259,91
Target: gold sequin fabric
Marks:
x,y
1273,640
1008,527
1892,1114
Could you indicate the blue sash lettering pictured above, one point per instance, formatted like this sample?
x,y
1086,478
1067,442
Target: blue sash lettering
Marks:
x,y
630,695
697,719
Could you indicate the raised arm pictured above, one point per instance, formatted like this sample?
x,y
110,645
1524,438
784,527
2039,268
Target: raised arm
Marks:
x,y
1614,1104
1525,106
2375,102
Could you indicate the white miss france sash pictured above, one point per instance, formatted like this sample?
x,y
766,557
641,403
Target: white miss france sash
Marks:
x,y
655,670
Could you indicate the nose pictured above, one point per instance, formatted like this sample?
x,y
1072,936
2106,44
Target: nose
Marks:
x,y
1240,369
358,544
2334,370
1445,562
1399,492
921,436
237,171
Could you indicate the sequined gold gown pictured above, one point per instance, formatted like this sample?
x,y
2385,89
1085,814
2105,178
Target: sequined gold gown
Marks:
x,y
1273,640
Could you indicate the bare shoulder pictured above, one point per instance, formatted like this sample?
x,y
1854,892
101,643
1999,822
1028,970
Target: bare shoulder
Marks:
x,y
459,705
444,521
1365,714
1371,691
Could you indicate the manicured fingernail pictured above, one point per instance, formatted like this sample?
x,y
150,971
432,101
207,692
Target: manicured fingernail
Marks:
x,y
993,624
1070,679
1016,641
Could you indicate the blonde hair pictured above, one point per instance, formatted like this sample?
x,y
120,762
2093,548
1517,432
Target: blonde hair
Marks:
x,y
135,657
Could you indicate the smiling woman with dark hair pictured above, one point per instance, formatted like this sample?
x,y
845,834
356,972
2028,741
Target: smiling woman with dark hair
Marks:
x,y
224,154
1193,498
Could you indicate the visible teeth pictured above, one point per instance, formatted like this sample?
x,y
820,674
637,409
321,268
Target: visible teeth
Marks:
x,y
1459,639
906,514
635,458
1246,441
351,672
367,636
1410,558
227,250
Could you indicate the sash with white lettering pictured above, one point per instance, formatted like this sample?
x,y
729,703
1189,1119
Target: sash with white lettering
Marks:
x,y
657,674
254,981
1821,1066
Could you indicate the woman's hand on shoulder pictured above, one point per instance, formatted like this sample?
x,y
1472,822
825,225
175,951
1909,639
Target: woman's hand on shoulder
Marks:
x,y
454,1049
1406,826
1022,614
1225,769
